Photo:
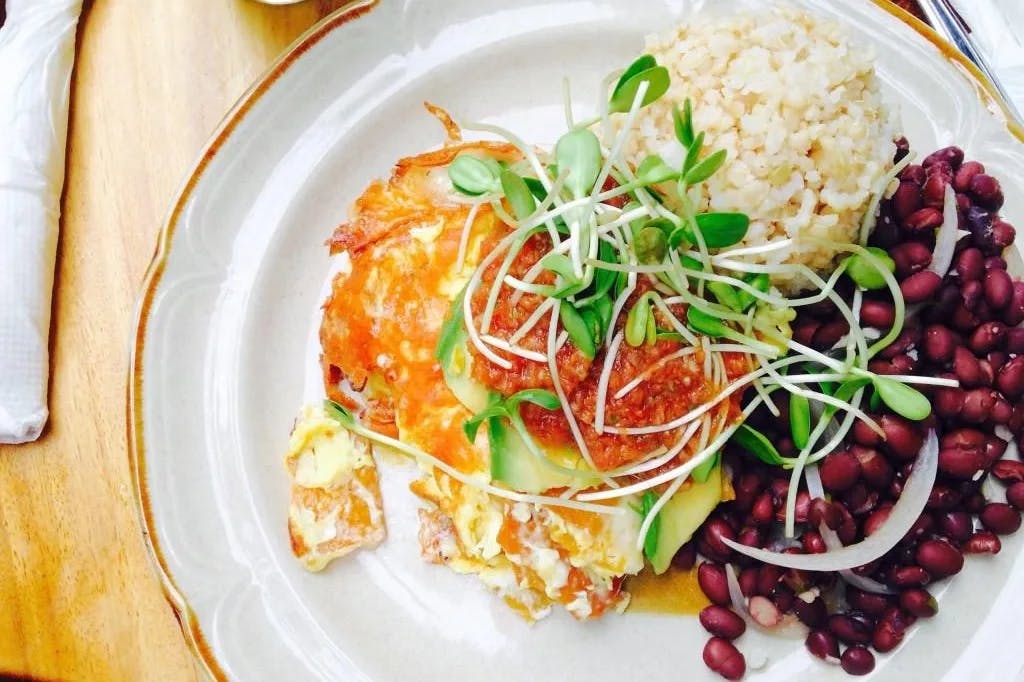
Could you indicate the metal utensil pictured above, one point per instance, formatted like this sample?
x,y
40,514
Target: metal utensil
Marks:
x,y
950,25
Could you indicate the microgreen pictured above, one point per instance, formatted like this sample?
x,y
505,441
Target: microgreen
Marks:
x,y
684,123
653,170
577,328
722,229
603,307
693,153
845,392
637,322
508,408
902,399
578,153
647,503
339,413
726,294
473,176
639,65
758,445
705,323
864,273
452,331
536,188
706,168
657,79
651,245
561,265
759,281
799,419
518,194
704,469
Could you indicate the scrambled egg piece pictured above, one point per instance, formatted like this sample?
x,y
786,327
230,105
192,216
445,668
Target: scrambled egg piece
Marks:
x,y
532,556
335,497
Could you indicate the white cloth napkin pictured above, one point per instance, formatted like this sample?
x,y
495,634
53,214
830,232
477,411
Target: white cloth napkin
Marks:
x,y
37,48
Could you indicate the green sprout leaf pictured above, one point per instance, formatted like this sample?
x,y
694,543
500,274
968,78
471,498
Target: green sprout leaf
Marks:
x,y
518,194
760,281
647,503
451,331
622,97
559,264
593,322
727,295
473,176
693,153
636,322
536,188
339,413
651,336
864,273
902,399
705,169
603,306
722,229
650,245
705,323
538,396
604,280
579,153
653,170
799,419
701,473
473,424
577,328
641,64
684,123
757,444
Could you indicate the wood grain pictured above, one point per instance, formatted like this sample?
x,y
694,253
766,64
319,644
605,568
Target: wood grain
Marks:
x,y
78,597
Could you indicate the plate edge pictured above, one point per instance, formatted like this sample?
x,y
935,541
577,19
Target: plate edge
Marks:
x,y
191,629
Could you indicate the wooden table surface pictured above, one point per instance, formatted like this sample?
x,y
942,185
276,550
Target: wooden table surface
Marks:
x,y
78,597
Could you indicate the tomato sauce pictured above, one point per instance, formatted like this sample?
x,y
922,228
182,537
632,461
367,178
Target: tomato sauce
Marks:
x,y
510,313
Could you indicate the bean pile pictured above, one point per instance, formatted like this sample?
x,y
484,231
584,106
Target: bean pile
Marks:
x,y
964,325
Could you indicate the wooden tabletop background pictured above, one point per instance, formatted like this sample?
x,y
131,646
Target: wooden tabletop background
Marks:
x,y
78,597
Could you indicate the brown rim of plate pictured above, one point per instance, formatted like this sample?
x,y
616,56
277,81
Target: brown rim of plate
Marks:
x,y
136,446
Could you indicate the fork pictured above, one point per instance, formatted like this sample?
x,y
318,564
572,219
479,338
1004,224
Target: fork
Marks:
x,y
945,20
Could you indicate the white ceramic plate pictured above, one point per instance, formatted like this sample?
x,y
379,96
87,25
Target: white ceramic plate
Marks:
x,y
221,352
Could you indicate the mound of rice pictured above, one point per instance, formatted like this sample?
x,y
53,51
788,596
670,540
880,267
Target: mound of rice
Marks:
x,y
796,104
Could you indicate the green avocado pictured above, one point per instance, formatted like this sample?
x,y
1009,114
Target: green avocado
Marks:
x,y
512,461
682,516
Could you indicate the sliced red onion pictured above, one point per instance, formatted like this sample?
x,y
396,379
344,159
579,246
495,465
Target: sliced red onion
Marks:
x,y
945,238
902,517
832,541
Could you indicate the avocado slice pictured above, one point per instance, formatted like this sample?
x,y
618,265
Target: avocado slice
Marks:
x,y
682,516
512,460
452,352
513,463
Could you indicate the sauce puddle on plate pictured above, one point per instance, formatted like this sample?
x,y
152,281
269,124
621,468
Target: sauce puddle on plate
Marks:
x,y
675,591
